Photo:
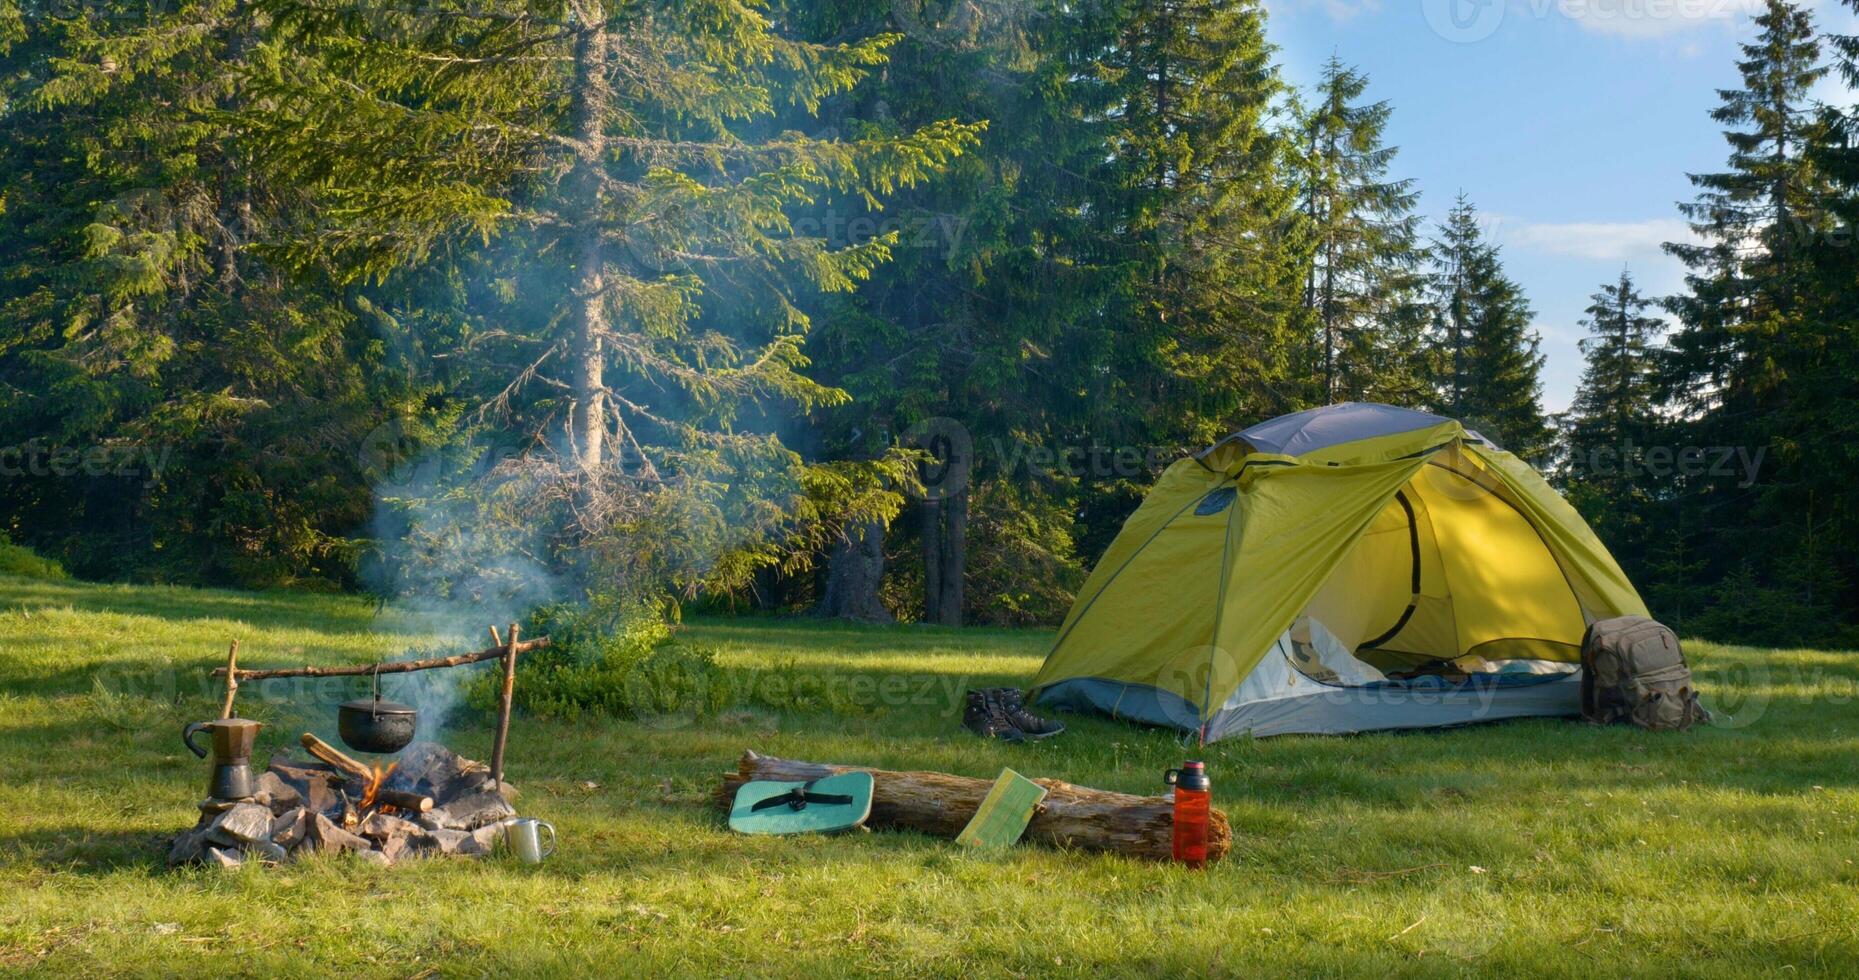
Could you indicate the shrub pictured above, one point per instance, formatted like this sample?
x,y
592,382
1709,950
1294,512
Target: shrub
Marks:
x,y
623,663
25,563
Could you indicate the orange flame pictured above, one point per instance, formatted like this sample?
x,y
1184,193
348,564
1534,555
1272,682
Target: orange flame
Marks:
x,y
375,783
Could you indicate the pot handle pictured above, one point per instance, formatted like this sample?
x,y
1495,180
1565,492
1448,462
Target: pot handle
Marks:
x,y
187,737
542,825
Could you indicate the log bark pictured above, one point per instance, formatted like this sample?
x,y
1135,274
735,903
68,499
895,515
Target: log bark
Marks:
x,y
395,667
940,804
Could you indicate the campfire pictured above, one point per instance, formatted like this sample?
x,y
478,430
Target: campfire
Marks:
x,y
372,790
429,802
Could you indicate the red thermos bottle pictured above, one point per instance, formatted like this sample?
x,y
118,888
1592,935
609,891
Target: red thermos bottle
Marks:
x,y
1193,800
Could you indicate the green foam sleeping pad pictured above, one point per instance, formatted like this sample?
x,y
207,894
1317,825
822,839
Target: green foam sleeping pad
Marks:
x,y
818,806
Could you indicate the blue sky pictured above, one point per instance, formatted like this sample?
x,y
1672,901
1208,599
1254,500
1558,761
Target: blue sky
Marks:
x,y
1570,124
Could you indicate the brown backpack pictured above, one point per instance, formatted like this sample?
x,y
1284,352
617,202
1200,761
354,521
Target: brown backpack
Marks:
x,y
1633,671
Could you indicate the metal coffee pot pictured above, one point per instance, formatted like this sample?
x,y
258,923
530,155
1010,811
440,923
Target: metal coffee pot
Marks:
x,y
231,740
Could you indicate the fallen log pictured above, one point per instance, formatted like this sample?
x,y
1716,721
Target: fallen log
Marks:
x,y
941,804
391,667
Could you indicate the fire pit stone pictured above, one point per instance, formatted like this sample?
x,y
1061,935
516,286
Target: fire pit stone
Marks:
x,y
275,793
469,812
327,838
241,825
288,829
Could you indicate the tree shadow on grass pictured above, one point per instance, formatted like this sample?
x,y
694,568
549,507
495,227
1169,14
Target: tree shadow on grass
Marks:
x,y
90,852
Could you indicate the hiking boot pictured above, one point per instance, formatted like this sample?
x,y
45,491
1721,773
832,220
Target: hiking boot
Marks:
x,y
985,717
1013,704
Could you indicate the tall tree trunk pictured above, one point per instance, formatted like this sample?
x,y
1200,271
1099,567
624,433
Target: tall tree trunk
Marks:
x,y
587,424
932,560
954,555
855,575
1329,271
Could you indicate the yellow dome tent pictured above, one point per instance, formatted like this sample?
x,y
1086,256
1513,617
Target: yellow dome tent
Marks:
x,y
1347,568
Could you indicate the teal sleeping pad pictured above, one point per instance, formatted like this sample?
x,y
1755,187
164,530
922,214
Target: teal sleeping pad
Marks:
x,y
817,806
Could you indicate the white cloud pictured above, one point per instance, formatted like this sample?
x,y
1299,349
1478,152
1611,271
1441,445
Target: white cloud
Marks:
x,y
1338,11
1650,18
1558,333
1610,241
1611,245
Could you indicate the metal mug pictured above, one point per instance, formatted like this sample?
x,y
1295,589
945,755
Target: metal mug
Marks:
x,y
523,836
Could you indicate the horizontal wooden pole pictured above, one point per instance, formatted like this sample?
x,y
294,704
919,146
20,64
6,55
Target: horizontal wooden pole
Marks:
x,y
391,667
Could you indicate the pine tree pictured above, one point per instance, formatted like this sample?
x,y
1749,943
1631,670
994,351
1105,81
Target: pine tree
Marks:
x,y
1365,253
1613,417
1758,220
1763,353
969,320
1489,360
1616,400
1198,213
141,318
625,165
1195,230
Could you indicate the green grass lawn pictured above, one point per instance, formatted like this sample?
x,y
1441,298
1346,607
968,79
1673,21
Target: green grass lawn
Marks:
x,y
1530,847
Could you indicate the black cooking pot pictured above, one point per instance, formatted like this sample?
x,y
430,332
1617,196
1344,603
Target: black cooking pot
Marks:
x,y
374,725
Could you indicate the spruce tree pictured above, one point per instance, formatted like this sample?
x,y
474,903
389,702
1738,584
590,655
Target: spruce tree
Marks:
x,y
1194,229
1758,219
141,318
1613,418
1489,360
1763,354
971,320
1199,214
1364,233
628,167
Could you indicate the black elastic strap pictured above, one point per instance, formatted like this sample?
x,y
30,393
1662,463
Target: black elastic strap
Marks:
x,y
798,798
1413,542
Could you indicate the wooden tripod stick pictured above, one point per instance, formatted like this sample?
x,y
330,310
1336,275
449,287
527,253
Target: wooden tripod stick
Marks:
x,y
503,704
232,680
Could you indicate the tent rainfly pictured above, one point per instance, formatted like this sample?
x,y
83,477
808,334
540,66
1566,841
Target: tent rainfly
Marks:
x,y
1348,568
